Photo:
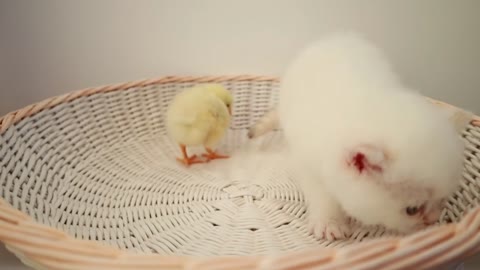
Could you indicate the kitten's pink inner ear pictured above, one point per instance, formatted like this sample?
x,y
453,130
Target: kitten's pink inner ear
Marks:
x,y
367,159
359,161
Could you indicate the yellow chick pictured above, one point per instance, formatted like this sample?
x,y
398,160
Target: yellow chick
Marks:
x,y
199,116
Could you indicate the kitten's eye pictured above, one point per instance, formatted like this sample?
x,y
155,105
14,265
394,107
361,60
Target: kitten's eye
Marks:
x,y
412,210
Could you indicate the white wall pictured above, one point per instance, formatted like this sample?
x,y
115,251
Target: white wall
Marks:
x,y
51,47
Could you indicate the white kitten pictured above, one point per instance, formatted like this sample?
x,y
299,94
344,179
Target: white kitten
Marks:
x,y
362,144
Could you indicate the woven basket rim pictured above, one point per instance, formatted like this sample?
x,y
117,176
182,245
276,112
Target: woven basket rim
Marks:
x,y
43,246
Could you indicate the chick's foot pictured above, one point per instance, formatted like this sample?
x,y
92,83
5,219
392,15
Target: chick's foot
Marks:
x,y
190,160
211,155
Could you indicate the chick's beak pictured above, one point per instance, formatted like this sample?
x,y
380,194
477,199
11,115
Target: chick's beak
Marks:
x,y
229,110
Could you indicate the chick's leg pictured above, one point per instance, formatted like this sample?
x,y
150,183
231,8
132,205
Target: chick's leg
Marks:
x,y
186,159
211,154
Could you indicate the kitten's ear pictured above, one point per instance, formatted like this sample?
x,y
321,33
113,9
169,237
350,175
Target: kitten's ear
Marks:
x,y
367,158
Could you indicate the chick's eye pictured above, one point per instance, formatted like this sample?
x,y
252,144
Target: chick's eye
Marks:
x,y
412,210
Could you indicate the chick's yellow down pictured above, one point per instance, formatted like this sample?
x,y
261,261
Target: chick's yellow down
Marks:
x,y
199,116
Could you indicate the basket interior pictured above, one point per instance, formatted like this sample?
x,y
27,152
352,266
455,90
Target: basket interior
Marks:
x,y
102,168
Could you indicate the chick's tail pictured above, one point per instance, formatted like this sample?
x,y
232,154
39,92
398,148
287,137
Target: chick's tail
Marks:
x,y
267,123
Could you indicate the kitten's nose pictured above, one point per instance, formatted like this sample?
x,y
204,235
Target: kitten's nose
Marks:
x,y
431,217
428,222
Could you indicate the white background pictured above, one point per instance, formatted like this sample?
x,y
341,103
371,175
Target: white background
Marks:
x,y
52,47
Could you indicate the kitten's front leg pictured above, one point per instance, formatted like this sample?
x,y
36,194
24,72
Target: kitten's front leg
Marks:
x,y
326,219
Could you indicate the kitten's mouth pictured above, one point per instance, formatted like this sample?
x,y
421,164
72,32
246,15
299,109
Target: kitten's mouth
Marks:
x,y
422,226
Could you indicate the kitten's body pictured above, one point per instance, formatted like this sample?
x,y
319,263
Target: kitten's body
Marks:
x,y
361,143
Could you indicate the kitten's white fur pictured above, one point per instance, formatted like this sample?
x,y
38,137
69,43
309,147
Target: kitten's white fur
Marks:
x,y
340,97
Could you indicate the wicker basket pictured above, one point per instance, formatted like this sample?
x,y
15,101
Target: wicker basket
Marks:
x,y
88,180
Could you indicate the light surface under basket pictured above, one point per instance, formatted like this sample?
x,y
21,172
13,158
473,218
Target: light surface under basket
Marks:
x,y
97,165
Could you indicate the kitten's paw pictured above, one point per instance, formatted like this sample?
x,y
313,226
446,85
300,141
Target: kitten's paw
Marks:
x,y
330,230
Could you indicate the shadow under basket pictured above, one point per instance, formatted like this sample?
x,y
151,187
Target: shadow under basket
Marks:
x,y
89,180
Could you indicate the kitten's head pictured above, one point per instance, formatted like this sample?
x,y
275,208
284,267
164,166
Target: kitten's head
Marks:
x,y
403,184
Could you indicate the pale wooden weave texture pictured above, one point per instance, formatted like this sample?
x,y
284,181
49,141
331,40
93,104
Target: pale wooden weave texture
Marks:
x,y
100,167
